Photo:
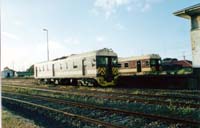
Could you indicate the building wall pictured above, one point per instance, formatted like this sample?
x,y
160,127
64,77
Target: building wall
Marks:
x,y
8,74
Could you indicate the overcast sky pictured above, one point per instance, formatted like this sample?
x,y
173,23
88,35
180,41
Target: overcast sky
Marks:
x,y
129,27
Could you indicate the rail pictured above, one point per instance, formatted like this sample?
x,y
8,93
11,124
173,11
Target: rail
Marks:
x,y
130,113
83,118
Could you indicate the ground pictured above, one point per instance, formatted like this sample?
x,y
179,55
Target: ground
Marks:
x,y
11,120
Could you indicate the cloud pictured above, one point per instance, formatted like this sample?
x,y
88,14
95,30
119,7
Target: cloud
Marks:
x,y
17,23
101,42
72,41
9,35
119,26
55,45
146,7
109,7
100,38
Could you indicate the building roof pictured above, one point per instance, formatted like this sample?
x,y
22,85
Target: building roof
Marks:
x,y
7,68
184,63
187,12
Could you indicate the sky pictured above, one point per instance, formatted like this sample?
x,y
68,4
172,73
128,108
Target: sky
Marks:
x,y
129,27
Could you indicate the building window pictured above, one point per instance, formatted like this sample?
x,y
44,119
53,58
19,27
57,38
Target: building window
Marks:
x,y
126,65
43,68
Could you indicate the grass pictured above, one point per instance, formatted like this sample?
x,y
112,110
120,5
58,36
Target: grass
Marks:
x,y
140,107
10,120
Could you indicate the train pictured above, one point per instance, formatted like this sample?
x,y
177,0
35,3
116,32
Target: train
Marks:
x,y
144,64
99,67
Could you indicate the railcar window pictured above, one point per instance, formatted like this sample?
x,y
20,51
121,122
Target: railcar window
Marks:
x,y
93,64
60,66
102,60
114,61
47,68
74,65
125,65
66,65
147,63
119,65
155,62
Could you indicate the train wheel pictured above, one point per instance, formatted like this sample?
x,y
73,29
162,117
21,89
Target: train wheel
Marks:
x,y
74,82
56,82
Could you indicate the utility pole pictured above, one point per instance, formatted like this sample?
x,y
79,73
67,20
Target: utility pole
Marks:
x,y
183,55
47,43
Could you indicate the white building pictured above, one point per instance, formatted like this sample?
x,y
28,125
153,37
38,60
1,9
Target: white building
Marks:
x,y
8,73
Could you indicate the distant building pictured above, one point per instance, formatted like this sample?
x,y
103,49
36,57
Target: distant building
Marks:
x,y
175,64
184,63
8,73
24,74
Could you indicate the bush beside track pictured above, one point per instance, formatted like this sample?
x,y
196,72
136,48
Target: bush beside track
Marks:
x,y
157,81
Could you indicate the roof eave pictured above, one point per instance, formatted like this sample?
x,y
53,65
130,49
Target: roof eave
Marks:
x,y
182,14
187,12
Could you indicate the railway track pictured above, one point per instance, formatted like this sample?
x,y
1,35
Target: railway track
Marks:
x,y
116,96
109,110
82,118
160,96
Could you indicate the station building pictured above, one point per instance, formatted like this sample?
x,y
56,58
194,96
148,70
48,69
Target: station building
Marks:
x,y
8,73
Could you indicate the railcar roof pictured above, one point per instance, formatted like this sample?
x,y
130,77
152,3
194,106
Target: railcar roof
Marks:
x,y
148,56
100,52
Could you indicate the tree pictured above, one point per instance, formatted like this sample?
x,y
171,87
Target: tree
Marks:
x,y
31,69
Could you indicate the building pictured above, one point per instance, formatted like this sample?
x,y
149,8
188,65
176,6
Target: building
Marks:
x,y
184,63
24,74
193,14
8,73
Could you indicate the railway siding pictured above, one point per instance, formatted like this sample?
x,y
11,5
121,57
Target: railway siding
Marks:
x,y
59,104
53,112
143,107
126,105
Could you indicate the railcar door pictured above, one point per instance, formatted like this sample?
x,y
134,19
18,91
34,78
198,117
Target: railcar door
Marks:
x,y
139,68
83,67
53,70
36,72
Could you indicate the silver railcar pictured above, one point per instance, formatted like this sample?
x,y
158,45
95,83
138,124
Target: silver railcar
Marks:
x,y
96,67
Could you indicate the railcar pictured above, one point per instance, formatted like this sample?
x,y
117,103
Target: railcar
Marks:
x,y
140,64
92,68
